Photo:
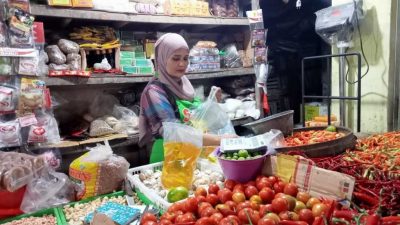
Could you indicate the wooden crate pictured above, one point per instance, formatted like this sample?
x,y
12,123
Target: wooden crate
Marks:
x,y
85,52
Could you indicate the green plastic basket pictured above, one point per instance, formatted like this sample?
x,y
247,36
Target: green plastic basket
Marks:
x,y
62,217
51,211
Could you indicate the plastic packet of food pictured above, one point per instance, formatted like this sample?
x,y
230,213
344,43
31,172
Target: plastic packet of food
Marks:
x,y
8,98
68,47
74,61
31,95
27,65
182,148
3,35
6,66
258,37
260,55
10,134
45,131
55,55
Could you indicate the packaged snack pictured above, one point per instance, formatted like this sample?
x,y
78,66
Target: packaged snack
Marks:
x,y
232,8
260,55
218,8
27,65
10,134
258,37
8,99
31,95
5,66
120,214
3,35
45,131
98,171
20,4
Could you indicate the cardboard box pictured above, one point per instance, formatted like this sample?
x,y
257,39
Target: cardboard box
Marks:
x,y
149,48
142,62
127,55
82,3
130,69
126,62
314,109
59,2
310,178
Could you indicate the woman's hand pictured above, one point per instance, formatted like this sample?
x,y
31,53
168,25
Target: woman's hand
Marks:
x,y
218,94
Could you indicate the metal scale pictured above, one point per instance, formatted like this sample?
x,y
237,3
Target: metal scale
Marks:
x,y
336,25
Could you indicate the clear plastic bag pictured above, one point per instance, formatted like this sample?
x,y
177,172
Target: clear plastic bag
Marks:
x,y
45,131
68,47
10,134
18,169
5,66
27,65
232,58
74,61
182,148
55,55
48,190
8,99
210,117
98,171
128,121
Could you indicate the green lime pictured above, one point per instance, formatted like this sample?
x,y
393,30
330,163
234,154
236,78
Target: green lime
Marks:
x,y
241,158
243,153
228,158
331,128
235,154
235,157
176,194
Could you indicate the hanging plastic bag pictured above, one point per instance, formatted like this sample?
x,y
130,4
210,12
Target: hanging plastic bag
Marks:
x,y
98,171
128,121
211,118
182,148
49,190
45,131
10,134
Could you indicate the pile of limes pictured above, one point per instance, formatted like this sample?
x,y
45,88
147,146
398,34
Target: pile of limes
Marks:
x,y
241,155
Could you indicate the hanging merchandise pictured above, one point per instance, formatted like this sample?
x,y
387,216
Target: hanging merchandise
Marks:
x,y
258,37
20,28
27,65
45,131
231,57
8,98
260,55
10,134
31,95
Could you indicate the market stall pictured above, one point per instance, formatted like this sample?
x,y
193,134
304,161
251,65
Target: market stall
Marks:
x,y
72,73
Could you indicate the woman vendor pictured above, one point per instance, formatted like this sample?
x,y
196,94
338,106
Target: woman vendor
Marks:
x,y
168,96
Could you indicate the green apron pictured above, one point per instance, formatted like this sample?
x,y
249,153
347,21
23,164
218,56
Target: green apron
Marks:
x,y
184,106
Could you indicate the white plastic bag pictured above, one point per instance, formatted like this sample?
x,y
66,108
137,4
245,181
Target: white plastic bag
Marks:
x,y
128,121
45,131
210,117
47,191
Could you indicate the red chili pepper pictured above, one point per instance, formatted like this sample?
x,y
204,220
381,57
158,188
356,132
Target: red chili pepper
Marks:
x,y
318,221
373,220
391,223
290,222
345,214
388,219
365,198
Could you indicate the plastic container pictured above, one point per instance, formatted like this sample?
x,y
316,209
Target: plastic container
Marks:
x,y
282,121
151,196
241,170
61,213
51,211
10,202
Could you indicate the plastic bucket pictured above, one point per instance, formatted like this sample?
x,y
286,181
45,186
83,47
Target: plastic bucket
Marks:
x,y
241,170
10,202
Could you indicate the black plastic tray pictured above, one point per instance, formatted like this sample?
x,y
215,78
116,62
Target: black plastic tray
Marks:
x,y
329,148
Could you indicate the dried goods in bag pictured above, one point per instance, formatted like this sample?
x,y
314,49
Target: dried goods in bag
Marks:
x,y
10,134
98,171
8,99
55,55
45,131
27,65
68,47
31,95
74,61
53,66
5,66
182,148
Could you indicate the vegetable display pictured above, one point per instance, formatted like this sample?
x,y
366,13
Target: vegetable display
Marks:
x,y
312,137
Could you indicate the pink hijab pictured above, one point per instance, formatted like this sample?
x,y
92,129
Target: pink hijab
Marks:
x,y
165,46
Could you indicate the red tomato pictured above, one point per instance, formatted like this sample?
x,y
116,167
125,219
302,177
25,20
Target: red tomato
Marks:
x,y
200,191
266,221
306,215
291,189
207,212
291,201
212,199
238,188
263,184
273,216
250,183
272,179
303,196
232,205
264,209
206,221
150,223
279,205
213,189
259,177
148,217
250,191
188,217
227,221
279,186
230,184
201,198
319,209
255,217
311,202
179,219
279,195
254,205
238,197
177,206
165,222
191,205
225,195
217,217
224,210
203,206
287,215
243,205
233,217
266,194
169,216
242,214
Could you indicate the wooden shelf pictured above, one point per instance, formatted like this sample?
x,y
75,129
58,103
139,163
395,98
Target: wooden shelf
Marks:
x,y
47,11
121,79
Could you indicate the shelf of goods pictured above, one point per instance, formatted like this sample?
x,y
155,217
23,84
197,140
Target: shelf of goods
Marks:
x,y
121,79
46,11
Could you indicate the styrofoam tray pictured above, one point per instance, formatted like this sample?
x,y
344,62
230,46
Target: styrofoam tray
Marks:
x,y
158,201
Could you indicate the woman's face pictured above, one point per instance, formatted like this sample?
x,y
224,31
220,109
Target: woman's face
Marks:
x,y
178,62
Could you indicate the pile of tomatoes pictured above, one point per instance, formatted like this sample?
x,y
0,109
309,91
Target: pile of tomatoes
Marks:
x,y
265,201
